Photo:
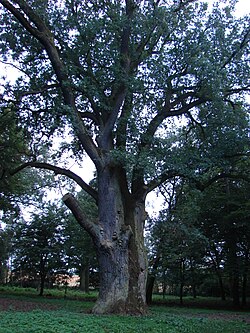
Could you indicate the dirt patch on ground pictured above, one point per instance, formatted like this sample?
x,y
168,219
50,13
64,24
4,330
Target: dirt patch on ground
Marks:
x,y
7,304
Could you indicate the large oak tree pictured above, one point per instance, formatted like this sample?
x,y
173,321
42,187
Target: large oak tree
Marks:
x,y
114,74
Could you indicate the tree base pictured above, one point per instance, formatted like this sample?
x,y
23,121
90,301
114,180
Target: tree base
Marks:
x,y
119,307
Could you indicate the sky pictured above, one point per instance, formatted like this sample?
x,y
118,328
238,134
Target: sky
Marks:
x,y
153,203
243,7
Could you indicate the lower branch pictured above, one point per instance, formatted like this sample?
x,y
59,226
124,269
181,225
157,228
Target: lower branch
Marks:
x,y
92,228
58,171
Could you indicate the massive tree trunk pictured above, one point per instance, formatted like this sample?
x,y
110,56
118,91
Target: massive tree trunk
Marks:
x,y
120,248
119,242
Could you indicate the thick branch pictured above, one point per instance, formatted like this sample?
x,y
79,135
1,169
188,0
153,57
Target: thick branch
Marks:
x,y
104,137
203,185
237,90
200,185
243,43
19,16
74,206
118,95
90,116
147,137
37,92
165,113
61,171
123,121
154,183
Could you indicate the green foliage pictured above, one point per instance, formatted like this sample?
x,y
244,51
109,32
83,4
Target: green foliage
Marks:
x,y
13,148
48,242
203,238
226,224
178,241
5,246
176,56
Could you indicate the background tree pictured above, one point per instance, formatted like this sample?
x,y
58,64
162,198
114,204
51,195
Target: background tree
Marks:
x,y
179,242
202,241
192,227
37,246
225,223
5,249
113,74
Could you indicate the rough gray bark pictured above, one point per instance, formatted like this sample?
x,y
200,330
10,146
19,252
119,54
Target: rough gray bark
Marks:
x,y
119,242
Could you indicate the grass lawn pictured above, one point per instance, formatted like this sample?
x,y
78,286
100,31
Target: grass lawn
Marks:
x,y
24,312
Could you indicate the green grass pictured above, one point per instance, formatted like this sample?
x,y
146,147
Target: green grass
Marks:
x,y
63,321
200,301
54,293
72,316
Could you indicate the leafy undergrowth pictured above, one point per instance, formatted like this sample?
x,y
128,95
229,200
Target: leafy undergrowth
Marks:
x,y
44,321
29,313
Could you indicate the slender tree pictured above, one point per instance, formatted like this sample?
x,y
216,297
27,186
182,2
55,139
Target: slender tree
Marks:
x,y
113,73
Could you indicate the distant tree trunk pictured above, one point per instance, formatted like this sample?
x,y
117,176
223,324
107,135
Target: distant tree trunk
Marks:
x,y
235,288
84,276
193,278
87,278
231,245
164,285
182,278
42,273
150,288
233,267
244,289
194,290
234,281
42,282
221,285
244,279
151,279
216,265
2,275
